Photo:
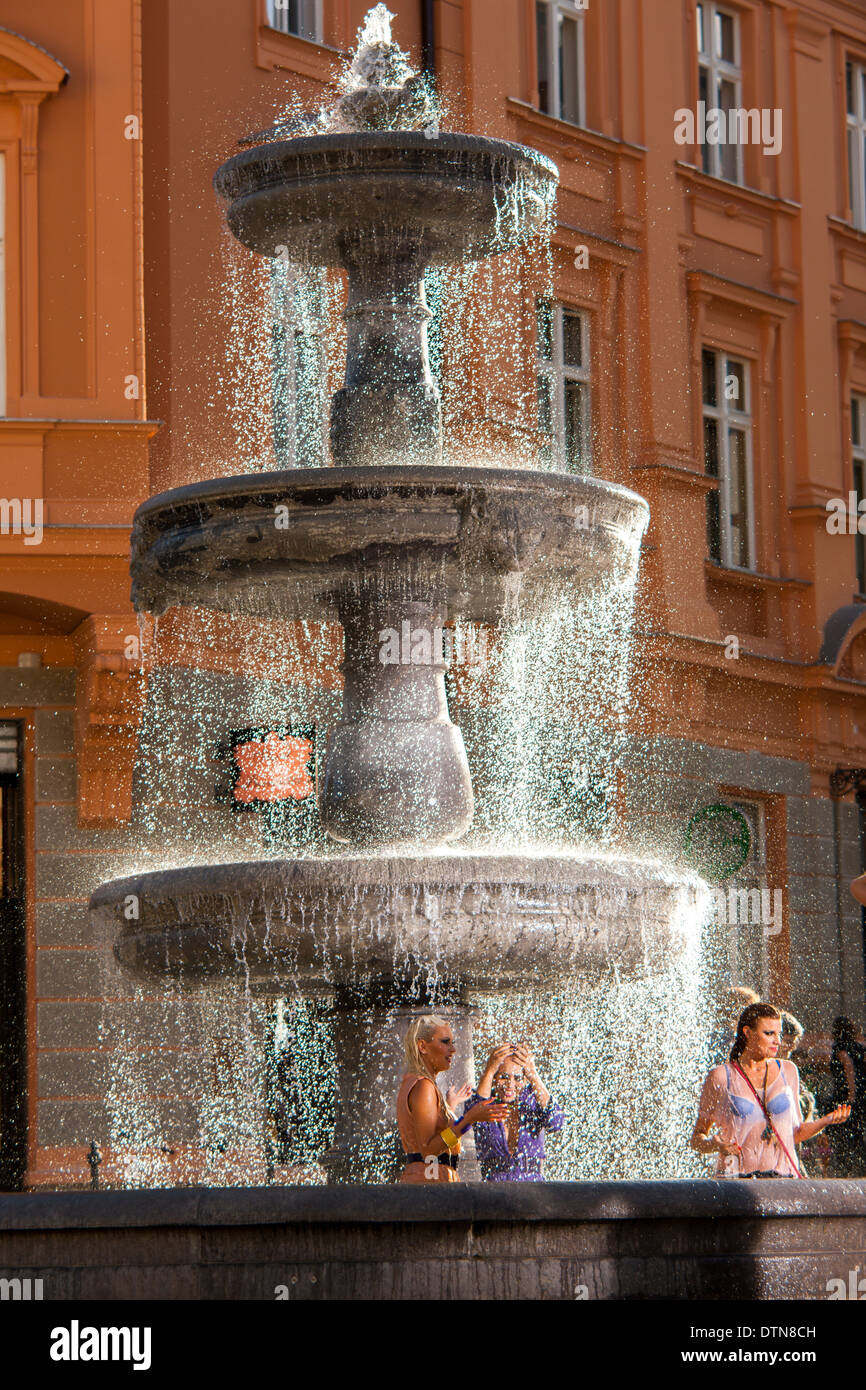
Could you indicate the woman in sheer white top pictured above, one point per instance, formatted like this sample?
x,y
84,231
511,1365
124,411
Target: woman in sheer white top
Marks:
x,y
749,1114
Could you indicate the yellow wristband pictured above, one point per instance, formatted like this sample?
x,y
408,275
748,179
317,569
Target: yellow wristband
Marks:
x,y
449,1137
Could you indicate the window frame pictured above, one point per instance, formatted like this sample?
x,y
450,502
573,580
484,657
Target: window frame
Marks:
x,y
858,470
719,70
754,874
559,371
855,130
271,8
37,77
555,10
727,418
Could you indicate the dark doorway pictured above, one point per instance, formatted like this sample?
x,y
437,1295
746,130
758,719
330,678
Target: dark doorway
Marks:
x,y
13,1049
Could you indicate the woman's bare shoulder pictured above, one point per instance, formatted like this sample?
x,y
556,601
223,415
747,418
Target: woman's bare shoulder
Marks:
x,y
419,1086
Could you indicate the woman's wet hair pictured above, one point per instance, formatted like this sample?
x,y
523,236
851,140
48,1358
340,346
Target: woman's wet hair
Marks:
x,y
422,1030
791,1026
748,1019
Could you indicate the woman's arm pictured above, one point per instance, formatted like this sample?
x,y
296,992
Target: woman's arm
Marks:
x,y
527,1061
851,1079
425,1105
702,1141
494,1062
809,1128
553,1116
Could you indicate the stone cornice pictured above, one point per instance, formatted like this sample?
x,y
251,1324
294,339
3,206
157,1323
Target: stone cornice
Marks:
x,y
725,190
777,306
571,136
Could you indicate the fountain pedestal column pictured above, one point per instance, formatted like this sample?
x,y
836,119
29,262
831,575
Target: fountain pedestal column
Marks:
x,y
371,1063
388,411
395,767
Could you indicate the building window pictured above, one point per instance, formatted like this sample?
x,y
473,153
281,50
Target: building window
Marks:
x,y
720,84
300,17
559,43
562,377
747,931
858,457
855,106
728,458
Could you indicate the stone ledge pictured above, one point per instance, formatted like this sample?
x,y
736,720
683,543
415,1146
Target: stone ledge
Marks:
x,y
556,1241
548,1202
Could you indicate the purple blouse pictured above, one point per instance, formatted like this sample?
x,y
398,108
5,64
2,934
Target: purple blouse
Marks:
x,y
491,1142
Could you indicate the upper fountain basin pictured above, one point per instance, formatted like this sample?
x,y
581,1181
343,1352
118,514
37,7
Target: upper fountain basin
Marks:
x,y
450,197
284,545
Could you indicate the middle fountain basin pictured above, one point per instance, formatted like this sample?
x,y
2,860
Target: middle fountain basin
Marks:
x,y
284,545
433,925
388,551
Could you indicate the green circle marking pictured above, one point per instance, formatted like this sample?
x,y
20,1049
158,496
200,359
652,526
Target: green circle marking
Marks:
x,y
718,840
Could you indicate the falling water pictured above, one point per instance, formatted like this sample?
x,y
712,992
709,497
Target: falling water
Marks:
x,y
237,1081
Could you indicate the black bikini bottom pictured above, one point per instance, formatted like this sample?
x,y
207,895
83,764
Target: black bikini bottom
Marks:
x,y
449,1159
760,1175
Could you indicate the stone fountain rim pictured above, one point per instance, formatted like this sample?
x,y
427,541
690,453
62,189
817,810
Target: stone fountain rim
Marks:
x,y
391,477
348,872
695,1199
378,140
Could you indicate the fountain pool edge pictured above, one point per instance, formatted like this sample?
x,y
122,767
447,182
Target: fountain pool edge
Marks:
x,y
619,1241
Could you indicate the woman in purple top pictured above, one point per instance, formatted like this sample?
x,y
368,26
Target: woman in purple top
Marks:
x,y
513,1151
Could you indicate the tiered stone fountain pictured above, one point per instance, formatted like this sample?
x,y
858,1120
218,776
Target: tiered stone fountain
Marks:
x,y
388,536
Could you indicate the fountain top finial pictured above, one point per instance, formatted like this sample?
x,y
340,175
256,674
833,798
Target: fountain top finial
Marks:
x,y
376,27
379,89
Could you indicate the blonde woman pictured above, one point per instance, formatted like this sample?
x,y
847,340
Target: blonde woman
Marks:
x,y
429,1130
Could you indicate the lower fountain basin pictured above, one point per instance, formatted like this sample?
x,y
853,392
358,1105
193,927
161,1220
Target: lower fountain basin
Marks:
x,y
283,545
439,924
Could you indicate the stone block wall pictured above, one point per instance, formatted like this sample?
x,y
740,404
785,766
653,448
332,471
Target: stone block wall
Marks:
x,y
669,780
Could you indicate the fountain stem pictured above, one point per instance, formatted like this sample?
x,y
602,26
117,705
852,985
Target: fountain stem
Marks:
x,y
370,1062
395,767
389,410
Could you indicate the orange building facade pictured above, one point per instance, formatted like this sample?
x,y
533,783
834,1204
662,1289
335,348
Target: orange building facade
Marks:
x,y
706,346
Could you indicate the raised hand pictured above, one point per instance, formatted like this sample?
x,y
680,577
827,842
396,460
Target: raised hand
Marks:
x,y
498,1056
838,1116
487,1110
523,1055
456,1095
